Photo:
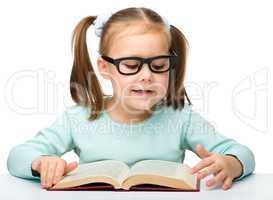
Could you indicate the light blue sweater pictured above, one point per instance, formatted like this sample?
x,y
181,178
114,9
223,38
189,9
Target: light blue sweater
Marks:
x,y
165,135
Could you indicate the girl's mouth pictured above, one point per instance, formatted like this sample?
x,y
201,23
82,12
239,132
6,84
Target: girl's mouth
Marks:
x,y
143,92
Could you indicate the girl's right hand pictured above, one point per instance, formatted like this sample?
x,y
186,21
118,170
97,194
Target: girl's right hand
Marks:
x,y
51,169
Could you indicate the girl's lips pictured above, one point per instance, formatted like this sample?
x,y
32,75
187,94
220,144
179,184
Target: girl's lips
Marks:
x,y
144,93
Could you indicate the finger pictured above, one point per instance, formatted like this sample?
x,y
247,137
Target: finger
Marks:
x,y
227,183
70,167
201,151
217,180
59,172
36,165
202,164
50,173
43,172
212,169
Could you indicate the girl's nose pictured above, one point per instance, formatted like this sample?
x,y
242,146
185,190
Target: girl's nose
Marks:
x,y
145,73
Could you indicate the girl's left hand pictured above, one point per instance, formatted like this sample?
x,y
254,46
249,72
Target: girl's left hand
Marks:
x,y
224,167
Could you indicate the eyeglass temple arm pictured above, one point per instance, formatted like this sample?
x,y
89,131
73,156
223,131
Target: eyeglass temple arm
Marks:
x,y
108,59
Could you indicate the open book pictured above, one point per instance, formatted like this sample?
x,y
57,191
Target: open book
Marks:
x,y
162,174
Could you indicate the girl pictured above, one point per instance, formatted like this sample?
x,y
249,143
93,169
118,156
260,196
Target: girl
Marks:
x,y
147,117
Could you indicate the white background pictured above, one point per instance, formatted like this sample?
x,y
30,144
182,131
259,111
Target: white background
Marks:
x,y
229,71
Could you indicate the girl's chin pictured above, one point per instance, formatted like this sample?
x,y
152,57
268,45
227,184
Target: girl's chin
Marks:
x,y
140,106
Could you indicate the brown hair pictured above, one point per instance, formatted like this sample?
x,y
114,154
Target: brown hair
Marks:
x,y
85,88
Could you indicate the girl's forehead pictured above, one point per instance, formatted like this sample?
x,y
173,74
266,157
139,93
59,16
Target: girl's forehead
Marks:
x,y
139,41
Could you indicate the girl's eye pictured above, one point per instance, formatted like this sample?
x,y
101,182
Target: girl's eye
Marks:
x,y
131,66
158,67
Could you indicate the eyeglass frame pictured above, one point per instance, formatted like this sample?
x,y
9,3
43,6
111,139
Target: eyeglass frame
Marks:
x,y
143,61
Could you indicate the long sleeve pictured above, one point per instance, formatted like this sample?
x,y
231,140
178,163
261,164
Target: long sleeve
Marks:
x,y
200,131
53,140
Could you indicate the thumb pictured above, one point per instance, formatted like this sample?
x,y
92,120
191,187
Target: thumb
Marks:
x,y
201,151
71,166
36,165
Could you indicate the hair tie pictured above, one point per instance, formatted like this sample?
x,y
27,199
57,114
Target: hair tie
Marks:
x,y
101,20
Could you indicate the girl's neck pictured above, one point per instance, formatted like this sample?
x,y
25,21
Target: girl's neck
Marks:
x,y
117,112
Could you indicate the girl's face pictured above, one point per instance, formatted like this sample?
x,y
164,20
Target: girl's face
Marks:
x,y
134,42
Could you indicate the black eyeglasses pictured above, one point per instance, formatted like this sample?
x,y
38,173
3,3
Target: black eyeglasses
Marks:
x,y
132,65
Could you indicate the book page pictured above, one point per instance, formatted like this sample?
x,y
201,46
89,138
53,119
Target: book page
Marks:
x,y
114,169
164,168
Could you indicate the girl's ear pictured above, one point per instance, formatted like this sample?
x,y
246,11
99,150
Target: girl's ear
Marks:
x,y
103,68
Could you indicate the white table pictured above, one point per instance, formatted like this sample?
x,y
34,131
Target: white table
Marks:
x,y
254,187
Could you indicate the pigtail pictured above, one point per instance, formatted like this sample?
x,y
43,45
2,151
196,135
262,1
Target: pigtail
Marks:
x,y
85,88
176,92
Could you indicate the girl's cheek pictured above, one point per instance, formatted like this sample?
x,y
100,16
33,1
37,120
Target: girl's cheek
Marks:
x,y
165,84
